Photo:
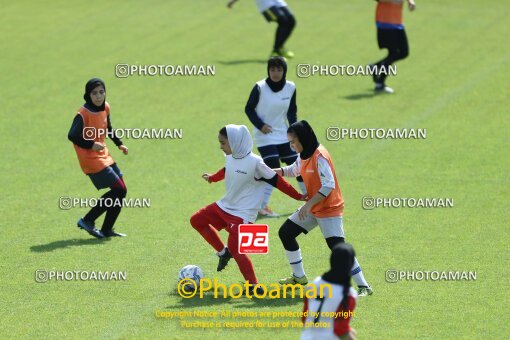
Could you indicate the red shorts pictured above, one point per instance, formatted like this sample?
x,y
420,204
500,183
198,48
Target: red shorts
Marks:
x,y
220,219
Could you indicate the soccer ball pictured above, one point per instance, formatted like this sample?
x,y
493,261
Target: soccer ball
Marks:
x,y
191,272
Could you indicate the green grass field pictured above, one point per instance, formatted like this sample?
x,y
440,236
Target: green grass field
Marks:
x,y
454,84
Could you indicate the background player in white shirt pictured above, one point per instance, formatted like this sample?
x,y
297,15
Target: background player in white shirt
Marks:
x,y
277,11
271,108
245,175
335,313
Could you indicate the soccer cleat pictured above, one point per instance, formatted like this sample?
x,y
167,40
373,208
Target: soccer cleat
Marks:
x,y
286,53
381,88
223,261
293,280
112,233
260,291
89,228
190,288
267,212
365,291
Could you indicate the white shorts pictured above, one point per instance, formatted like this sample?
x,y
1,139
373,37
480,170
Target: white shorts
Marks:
x,y
330,226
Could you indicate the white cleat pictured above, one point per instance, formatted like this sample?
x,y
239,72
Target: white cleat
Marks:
x,y
380,88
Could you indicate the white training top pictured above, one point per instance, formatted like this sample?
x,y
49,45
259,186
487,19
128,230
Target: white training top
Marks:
x,y
272,109
265,4
244,193
327,309
325,173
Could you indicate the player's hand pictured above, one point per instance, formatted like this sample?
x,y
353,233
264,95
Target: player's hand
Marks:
x,y
231,3
207,177
124,149
97,146
304,197
278,171
411,4
304,211
266,129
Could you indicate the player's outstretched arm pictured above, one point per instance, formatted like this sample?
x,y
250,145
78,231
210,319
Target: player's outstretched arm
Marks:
x,y
216,177
281,184
292,170
266,174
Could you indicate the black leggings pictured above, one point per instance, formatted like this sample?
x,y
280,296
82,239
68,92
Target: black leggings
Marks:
x,y
290,230
116,194
286,23
396,42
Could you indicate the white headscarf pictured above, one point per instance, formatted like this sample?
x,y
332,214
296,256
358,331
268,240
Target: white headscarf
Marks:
x,y
239,139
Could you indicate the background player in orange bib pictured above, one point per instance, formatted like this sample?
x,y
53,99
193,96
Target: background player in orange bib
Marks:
x,y
390,35
88,133
324,207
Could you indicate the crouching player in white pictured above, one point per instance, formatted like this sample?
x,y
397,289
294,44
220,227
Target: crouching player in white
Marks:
x,y
276,11
329,317
244,174
324,208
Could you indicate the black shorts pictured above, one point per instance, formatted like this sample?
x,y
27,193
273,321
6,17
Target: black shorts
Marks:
x,y
392,39
273,13
106,177
272,153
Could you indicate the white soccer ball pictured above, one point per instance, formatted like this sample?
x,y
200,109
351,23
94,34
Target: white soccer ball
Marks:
x,y
191,272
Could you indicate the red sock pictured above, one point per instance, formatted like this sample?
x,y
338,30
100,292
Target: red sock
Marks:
x,y
201,223
243,261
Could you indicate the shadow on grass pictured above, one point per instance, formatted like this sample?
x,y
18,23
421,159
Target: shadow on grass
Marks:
x,y
242,302
360,96
242,62
75,242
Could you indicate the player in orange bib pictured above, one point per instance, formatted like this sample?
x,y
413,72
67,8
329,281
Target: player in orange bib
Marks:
x,y
324,208
88,131
391,35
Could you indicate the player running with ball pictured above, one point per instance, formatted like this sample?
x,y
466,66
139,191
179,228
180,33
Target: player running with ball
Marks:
x,y
245,175
324,207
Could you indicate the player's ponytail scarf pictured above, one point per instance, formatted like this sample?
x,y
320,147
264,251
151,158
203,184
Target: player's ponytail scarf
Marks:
x,y
240,141
276,62
342,260
306,137
92,84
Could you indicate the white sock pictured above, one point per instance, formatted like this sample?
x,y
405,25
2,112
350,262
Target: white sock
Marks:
x,y
302,187
296,262
267,194
222,252
357,274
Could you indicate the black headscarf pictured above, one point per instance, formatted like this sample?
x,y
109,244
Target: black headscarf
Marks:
x,y
306,137
341,261
276,62
92,84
